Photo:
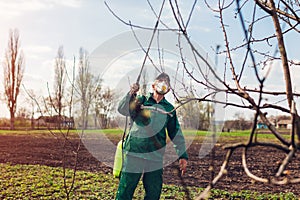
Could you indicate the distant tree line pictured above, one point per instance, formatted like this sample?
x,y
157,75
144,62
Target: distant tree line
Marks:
x,y
76,93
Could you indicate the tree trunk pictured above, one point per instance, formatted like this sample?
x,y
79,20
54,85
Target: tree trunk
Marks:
x,y
285,65
12,120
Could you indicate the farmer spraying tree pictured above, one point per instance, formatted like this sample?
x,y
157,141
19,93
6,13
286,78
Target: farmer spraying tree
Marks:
x,y
144,146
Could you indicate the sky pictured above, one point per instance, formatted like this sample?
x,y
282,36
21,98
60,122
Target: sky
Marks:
x,y
44,25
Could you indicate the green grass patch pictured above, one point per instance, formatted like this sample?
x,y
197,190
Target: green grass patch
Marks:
x,y
116,134
42,182
35,132
244,133
120,132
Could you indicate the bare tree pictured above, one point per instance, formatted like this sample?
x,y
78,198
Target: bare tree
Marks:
x,y
32,107
13,73
104,103
259,50
59,83
67,140
85,86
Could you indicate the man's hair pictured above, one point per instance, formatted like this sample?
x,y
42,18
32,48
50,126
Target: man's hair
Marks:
x,y
163,76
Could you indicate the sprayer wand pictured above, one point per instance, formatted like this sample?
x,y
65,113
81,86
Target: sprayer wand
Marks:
x,y
150,43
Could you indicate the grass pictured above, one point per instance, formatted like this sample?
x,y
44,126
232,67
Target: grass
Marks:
x,y
33,132
117,132
42,182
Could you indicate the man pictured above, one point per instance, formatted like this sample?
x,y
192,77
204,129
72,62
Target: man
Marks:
x,y
153,118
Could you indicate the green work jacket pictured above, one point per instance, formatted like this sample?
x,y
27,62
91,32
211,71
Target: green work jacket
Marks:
x,y
150,125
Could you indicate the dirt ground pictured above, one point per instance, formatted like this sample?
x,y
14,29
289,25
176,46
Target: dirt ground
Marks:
x,y
47,150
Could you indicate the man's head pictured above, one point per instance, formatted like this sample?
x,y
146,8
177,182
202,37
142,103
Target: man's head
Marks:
x,y
162,84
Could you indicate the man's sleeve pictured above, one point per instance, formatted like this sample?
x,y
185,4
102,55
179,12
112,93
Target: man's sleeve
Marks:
x,y
175,134
123,107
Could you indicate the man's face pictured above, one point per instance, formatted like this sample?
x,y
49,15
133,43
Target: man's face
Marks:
x,y
161,86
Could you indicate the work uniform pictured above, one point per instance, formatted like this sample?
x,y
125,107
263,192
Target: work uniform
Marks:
x,y
145,144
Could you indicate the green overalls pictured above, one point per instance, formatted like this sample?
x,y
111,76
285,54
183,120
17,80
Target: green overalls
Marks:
x,y
144,146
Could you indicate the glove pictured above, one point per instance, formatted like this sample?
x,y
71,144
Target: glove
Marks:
x,y
134,88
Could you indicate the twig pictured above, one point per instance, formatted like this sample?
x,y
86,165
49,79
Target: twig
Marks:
x,y
205,193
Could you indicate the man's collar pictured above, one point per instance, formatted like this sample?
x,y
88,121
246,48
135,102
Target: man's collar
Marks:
x,y
150,95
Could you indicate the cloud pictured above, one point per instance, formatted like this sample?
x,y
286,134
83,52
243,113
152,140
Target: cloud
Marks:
x,y
200,28
274,72
35,51
10,9
66,3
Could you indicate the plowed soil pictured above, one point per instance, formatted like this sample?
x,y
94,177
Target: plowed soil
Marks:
x,y
262,161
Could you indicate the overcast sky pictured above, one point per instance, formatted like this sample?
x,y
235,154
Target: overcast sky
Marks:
x,y
44,25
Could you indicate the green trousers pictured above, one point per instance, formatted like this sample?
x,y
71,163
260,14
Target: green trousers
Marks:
x,y
133,169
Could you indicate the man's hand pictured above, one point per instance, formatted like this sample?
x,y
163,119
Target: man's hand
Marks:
x,y
134,88
182,165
